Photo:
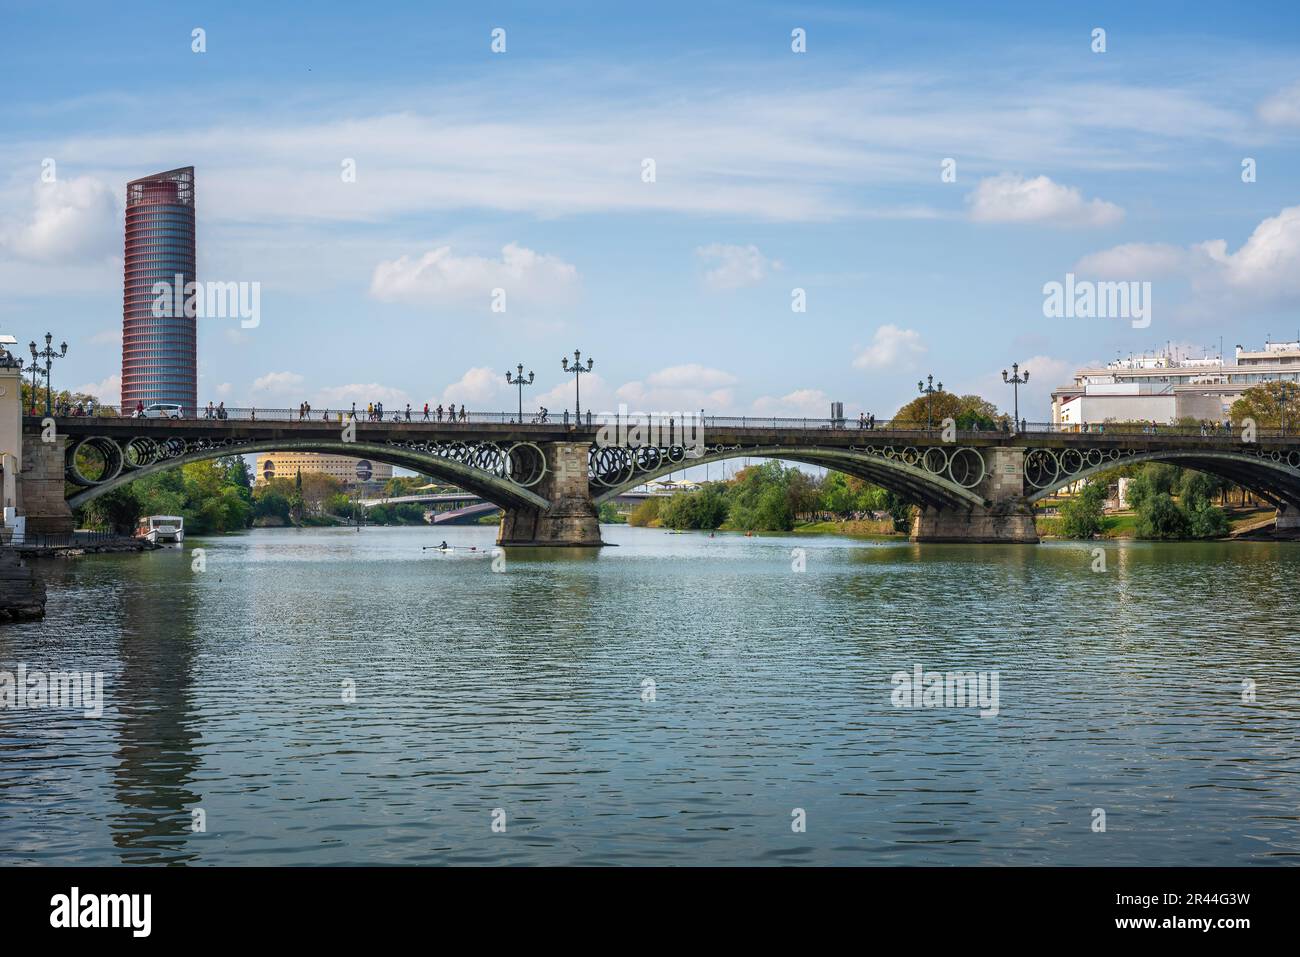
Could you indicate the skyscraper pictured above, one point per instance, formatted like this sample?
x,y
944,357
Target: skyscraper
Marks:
x,y
159,353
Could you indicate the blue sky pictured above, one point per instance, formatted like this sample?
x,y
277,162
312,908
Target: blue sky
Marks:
x,y
774,170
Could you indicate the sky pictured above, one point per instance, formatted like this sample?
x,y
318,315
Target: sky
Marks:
x,y
774,171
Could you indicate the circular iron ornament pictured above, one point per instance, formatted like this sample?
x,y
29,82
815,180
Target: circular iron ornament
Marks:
x,y
1041,467
1071,461
647,458
935,460
139,452
107,450
1293,459
525,464
966,468
1094,457
910,456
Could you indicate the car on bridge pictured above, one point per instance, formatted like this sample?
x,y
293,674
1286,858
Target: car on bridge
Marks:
x,y
162,410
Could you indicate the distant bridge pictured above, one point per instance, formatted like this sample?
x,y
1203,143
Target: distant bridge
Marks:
x,y
550,477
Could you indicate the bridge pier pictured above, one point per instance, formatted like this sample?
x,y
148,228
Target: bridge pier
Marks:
x,y
41,495
1007,519
572,519
1288,523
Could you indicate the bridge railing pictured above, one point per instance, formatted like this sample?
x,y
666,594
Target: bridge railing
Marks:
x,y
662,424
77,539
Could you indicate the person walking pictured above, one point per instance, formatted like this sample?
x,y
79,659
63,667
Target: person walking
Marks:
x,y
426,412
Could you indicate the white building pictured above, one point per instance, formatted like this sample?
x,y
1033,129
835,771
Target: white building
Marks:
x,y
1166,388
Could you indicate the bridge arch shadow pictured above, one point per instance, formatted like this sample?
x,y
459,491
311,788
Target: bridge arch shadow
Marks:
x,y
910,481
498,490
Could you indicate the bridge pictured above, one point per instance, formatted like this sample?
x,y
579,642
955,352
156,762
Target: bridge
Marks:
x,y
549,478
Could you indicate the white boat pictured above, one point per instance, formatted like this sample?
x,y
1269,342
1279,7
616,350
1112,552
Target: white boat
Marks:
x,y
162,529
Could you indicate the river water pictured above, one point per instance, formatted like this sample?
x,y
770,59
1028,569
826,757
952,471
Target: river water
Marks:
x,y
520,697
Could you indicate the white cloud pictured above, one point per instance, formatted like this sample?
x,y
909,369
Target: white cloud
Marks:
x,y
1282,108
72,221
277,383
596,396
1140,261
1045,374
480,387
1265,268
802,403
441,278
737,266
683,388
889,347
108,391
1010,198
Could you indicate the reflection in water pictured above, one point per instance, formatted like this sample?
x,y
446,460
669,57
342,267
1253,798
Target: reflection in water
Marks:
x,y
522,690
156,727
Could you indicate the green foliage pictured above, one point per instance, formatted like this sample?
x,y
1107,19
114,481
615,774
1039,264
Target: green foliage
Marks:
x,y
1269,404
610,515
761,498
1206,521
646,514
900,510
1081,515
1159,517
705,508
405,514
208,495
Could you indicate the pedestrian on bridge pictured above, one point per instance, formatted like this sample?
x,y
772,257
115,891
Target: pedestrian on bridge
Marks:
x,y
438,411
426,412
408,412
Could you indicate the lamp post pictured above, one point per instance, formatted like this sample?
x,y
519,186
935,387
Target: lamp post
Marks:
x,y
520,381
49,355
577,371
1016,380
929,390
36,371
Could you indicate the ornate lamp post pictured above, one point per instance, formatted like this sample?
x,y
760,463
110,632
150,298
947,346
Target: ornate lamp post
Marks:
x,y
520,381
1016,380
577,371
49,355
929,390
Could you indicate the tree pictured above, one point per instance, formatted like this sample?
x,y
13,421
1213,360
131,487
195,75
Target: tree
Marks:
x,y
645,514
115,511
1081,515
968,411
1269,404
703,508
1160,518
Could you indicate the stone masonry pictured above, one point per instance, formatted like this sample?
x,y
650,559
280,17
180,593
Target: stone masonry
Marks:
x,y
1007,519
42,498
571,519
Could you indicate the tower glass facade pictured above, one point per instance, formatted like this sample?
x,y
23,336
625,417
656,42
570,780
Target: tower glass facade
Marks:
x,y
159,353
